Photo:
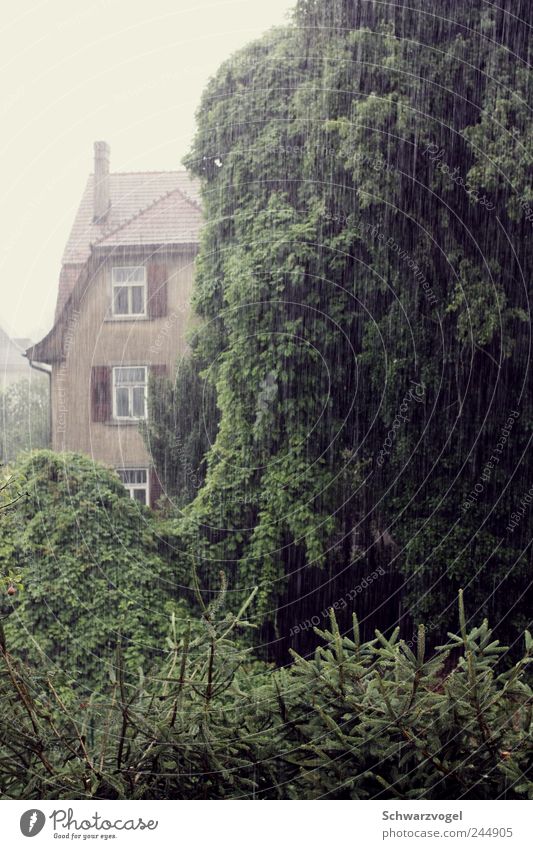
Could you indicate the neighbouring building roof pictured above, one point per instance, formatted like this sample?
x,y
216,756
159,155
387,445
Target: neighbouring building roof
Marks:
x,y
11,352
13,366
22,343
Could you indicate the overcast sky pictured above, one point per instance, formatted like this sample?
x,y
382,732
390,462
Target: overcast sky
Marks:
x,y
74,71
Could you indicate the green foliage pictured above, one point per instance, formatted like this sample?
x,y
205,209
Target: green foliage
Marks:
x,y
182,421
89,566
366,232
503,138
383,719
24,417
358,393
182,732
379,719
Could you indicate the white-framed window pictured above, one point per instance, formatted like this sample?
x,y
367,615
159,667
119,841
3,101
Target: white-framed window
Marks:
x,y
136,481
129,392
128,291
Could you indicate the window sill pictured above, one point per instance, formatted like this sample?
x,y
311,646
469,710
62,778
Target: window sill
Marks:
x,y
123,422
122,318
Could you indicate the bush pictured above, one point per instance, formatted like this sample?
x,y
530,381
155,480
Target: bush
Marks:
x,y
182,733
90,566
381,719
358,721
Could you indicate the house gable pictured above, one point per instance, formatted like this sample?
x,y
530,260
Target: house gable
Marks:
x,y
155,209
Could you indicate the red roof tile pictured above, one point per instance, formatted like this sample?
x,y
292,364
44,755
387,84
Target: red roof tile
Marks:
x,y
130,193
170,220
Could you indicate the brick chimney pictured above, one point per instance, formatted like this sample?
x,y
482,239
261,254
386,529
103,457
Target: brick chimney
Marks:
x,y
102,199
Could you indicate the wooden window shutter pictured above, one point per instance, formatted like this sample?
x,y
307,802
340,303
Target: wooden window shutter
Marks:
x,y
157,289
159,370
100,393
156,489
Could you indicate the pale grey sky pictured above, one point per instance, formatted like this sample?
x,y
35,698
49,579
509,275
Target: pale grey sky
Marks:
x,y
74,71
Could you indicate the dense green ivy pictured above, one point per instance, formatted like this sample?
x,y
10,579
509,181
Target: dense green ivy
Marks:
x,y
364,284
182,422
84,562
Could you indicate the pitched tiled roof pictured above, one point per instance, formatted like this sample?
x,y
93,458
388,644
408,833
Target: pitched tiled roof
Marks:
x,y
171,220
147,207
130,193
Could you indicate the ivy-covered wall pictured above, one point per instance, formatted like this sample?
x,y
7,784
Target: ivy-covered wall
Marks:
x,y
83,571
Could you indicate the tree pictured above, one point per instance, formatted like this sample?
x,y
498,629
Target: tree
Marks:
x,y
386,720
182,422
25,418
359,267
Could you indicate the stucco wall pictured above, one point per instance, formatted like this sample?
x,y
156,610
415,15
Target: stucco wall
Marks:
x,y
94,338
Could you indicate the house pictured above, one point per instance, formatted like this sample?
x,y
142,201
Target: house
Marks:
x,y
121,315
